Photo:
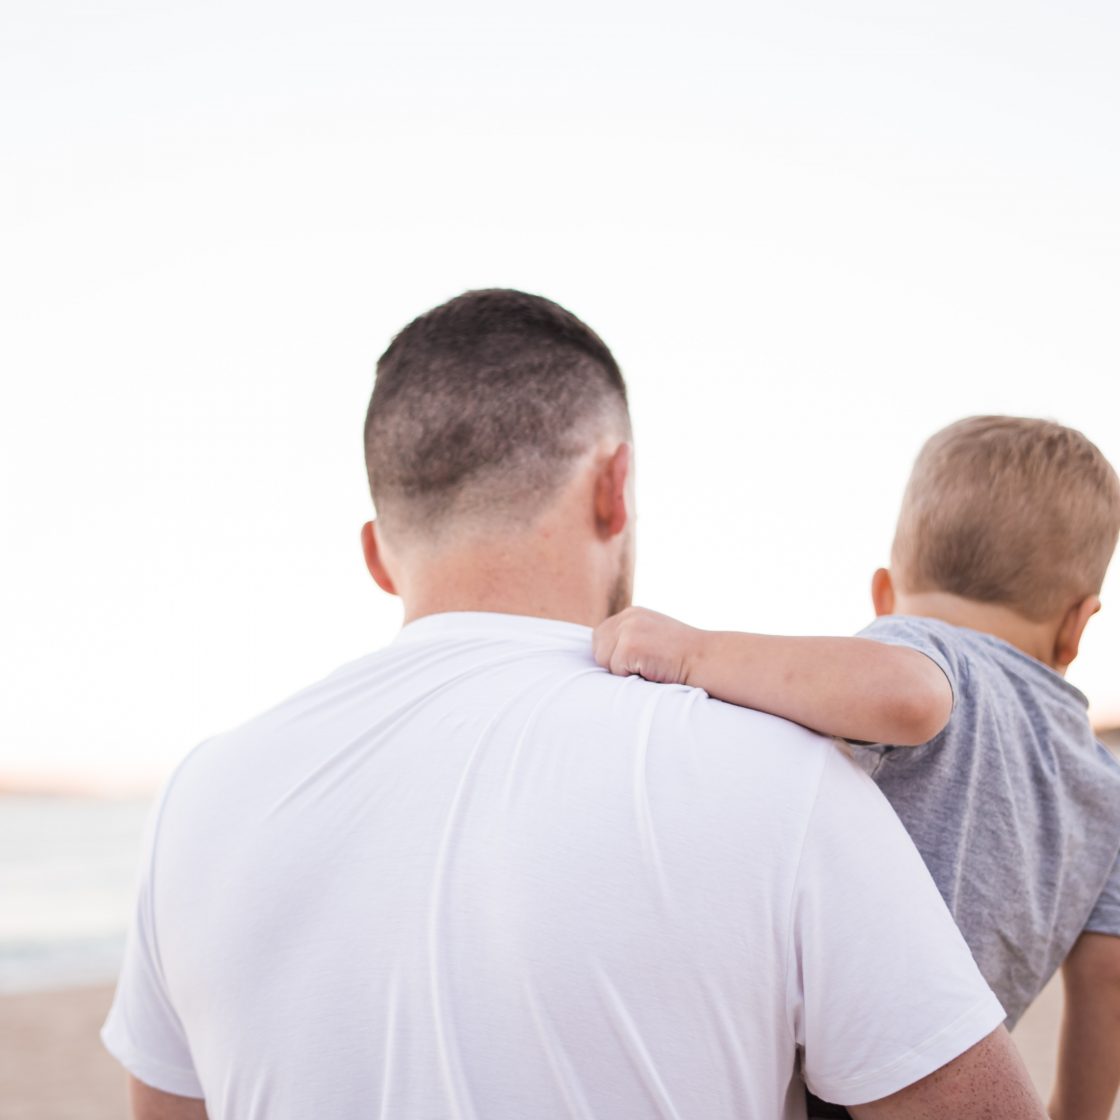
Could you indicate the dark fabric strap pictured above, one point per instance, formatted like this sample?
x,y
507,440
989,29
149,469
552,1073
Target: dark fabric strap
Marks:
x,y
822,1110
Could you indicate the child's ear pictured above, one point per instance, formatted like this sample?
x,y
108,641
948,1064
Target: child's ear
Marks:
x,y
1067,641
882,592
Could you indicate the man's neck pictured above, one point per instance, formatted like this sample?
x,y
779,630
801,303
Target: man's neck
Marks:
x,y
1033,638
570,561
537,582
530,606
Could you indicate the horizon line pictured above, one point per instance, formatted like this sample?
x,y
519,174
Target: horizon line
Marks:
x,y
118,785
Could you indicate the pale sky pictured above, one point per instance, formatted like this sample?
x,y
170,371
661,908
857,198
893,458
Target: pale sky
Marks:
x,y
812,233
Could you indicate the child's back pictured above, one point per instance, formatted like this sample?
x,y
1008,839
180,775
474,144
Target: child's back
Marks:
x,y
1014,806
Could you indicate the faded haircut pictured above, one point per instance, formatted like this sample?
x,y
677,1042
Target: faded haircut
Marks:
x,y
1003,509
481,407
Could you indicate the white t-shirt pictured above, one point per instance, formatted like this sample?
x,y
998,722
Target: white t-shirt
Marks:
x,y
474,876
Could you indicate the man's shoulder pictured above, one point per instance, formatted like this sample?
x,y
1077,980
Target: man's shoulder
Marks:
x,y
560,693
691,728
223,756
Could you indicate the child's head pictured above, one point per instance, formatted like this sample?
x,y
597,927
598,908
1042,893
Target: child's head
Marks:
x,y
1006,510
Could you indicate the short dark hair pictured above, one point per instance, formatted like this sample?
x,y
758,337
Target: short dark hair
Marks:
x,y
481,405
1012,510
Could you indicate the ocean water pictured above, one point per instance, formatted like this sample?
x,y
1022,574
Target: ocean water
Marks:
x,y
68,872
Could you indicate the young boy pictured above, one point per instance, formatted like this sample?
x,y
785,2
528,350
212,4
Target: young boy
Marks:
x,y
1006,530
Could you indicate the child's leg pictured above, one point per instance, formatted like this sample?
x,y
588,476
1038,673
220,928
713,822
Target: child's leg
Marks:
x,y
1089,1052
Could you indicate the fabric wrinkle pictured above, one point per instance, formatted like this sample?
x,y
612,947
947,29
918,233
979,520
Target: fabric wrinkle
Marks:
x,y
530,725
564,1071
643,810
633,1043
439,939
388,1059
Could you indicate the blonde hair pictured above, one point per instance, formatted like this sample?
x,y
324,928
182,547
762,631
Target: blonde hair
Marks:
x,y
1003,509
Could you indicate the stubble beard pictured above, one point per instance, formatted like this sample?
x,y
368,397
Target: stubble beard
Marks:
x,y
622,590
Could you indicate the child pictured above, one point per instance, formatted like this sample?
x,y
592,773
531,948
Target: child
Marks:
x,y
1006,530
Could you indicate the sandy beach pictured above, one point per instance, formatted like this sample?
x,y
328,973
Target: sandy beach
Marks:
x,y
52,1065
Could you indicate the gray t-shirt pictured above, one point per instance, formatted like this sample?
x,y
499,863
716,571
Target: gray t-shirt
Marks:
x,y
1014,806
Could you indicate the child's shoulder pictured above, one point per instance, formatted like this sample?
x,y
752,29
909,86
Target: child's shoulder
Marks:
x,y
968,650
946,645
990,675
923,630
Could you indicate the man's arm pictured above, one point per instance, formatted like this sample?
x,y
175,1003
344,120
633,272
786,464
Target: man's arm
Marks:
x,y
153,1104
1089,1048
853,688
987,1082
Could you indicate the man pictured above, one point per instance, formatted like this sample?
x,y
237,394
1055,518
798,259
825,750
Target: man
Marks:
x,y
472,875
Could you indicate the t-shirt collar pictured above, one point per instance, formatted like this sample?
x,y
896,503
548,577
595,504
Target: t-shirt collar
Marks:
x,y
492,624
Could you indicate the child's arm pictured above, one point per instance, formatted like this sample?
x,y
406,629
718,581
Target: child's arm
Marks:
x,y
1089,1049
853,688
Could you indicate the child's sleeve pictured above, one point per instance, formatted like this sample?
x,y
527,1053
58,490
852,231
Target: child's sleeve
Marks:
x,y
925,635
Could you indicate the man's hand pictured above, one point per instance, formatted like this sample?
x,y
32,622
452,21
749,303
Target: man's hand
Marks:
x,y
643,643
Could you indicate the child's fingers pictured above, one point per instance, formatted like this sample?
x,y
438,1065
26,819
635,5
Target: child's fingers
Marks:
x,y
628,652
604,640
624,663
611,645
641,643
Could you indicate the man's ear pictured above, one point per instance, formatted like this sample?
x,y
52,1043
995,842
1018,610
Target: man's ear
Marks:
x,y
611,510
1067,642
371,550
882,592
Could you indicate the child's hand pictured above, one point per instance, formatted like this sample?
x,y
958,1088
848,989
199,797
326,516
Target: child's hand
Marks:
x,y
637,642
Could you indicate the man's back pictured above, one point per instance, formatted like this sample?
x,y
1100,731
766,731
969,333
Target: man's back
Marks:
x,y
473,875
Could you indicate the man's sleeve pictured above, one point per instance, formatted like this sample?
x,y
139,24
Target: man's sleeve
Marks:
x,y
143,1031
883,986
1105,917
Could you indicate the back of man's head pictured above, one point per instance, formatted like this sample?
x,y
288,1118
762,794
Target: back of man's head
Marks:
x,y
1010,510
481,409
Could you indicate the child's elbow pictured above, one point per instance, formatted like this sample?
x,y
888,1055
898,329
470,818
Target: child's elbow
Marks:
x,y
924,710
